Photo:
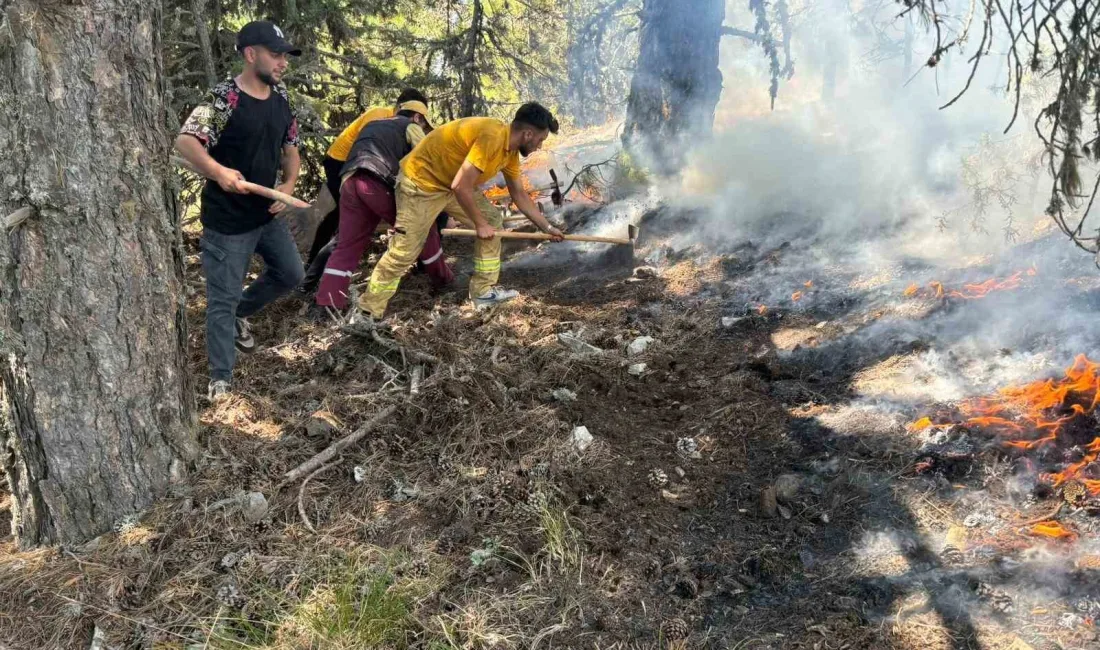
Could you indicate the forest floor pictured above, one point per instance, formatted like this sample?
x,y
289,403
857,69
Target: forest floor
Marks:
x,y
709,511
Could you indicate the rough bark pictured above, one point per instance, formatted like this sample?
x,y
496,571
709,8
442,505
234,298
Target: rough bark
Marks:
x,y
95,405
677,83
469,76
198,11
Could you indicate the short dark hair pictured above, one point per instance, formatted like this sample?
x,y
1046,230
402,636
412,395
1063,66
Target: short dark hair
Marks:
x,y
411,95
536,115
407,113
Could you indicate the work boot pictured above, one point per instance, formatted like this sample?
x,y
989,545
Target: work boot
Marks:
x,y
217,390
363,324
323,315
494,297
244,340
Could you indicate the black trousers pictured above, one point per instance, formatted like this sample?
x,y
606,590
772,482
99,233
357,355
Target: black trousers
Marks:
x,y
327,228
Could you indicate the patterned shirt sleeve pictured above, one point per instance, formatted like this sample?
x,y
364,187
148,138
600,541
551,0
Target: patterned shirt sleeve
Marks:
x,y
208,120
291,139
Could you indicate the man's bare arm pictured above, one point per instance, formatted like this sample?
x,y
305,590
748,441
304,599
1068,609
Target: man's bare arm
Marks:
x,y
528,207
464,185
292,165
193,152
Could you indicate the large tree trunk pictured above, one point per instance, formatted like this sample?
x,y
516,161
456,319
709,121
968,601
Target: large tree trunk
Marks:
x,y
469,75
95,406
677,83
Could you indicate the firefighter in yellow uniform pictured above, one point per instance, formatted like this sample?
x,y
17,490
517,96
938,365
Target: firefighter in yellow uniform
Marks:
x,y
442,174
324,239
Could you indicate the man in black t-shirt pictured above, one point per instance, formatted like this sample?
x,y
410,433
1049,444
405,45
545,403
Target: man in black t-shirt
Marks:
x,y
246,131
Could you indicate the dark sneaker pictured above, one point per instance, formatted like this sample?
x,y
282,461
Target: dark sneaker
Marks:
x,y
218,390
244,340
494,297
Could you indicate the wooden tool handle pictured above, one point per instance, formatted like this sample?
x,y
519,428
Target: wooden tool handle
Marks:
x,y
507,234
275,195
253,188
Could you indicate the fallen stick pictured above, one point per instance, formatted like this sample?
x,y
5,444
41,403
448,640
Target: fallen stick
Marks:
x,y
302,494
541,236
335,448
259,190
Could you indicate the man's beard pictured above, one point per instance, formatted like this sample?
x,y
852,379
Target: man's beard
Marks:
x,y
267,77
525,150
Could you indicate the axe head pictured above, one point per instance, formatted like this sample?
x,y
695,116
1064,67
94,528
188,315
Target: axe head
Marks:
x,y
632,233
555,196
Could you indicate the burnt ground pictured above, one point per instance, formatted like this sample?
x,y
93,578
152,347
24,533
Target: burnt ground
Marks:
x,y
732,497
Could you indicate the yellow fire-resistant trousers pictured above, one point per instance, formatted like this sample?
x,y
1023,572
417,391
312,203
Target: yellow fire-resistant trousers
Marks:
x,y
416,212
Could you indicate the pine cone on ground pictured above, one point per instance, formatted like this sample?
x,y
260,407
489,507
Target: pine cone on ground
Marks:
x,y
1074,492
675,629
952,555
658,478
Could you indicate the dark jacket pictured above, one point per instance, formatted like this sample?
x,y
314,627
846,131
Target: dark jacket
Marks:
x,y
379,149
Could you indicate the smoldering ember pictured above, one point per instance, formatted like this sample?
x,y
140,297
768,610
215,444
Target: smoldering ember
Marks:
x,y
587,324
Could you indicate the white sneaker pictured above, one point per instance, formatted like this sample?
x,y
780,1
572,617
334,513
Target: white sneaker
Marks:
x,y
218,390
494,297
244,340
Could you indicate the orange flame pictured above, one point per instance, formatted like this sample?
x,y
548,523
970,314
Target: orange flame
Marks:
x,y
796,296
970,291
1053,530
761,309
1023,415
809,284
920,424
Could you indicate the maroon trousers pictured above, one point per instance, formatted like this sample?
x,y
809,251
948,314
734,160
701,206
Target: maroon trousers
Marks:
x,y
366,201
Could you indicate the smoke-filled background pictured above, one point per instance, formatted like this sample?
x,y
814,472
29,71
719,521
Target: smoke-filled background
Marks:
x,y
875,187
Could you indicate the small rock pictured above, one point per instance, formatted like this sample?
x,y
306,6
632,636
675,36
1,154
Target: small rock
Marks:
x,y
639,345
730,321
359,474
99,640
402,492
680,473
669,496
322,424
254,507
784,511
637,369
564,395
582,439
822,324
645,272
93,545
230,560
787,487
576,345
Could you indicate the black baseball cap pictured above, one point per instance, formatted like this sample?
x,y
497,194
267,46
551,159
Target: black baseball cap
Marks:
x,y
267,34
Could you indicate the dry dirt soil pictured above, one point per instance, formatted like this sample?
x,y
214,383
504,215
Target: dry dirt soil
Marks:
x,y
711,509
